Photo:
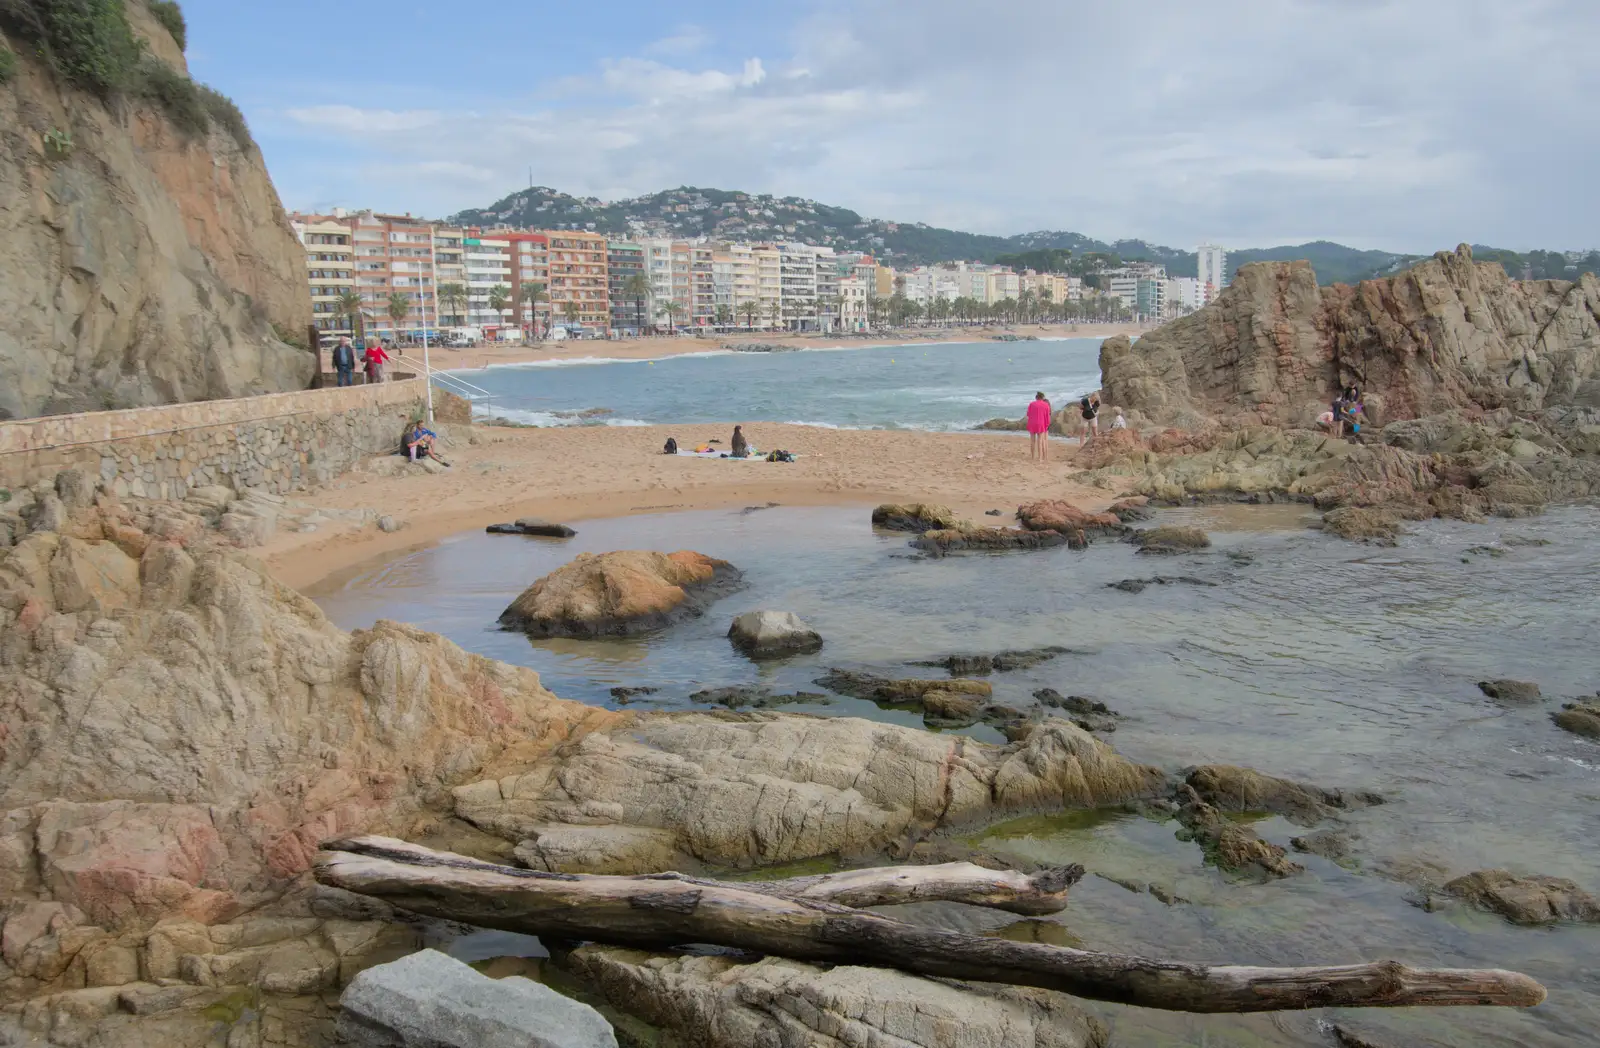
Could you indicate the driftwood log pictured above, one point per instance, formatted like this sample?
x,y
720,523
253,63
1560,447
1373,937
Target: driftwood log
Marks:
x,y
656,911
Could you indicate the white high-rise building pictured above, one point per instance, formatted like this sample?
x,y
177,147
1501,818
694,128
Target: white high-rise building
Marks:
x,y
1213,267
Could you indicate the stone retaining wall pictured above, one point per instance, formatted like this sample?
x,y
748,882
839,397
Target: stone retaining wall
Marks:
x,y
278,442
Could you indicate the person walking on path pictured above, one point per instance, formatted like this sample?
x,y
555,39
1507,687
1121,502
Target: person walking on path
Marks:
x,y
1039,429
344,360
376,359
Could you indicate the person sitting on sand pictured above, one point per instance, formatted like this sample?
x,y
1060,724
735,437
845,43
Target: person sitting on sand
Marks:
x,y
419,443
671,446
741,447
1039,413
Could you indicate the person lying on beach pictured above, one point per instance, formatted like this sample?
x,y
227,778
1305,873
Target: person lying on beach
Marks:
x,y
741,447
1039,413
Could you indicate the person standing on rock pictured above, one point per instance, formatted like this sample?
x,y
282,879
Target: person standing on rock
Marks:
x,y
344,361
1039,415
1090,409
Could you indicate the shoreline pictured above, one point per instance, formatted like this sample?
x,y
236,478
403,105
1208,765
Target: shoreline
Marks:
x,y
587,473
659,347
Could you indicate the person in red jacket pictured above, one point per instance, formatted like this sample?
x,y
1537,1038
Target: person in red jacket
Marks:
x,y
376,359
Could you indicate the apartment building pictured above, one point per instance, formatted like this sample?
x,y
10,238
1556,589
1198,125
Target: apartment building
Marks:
x,y
703,303
746,283
1001,284
798,286
393,256
450,276
827,289
724,299
769,284
624,261
528,258
579,287
856,291
330,268
487,261
1212,265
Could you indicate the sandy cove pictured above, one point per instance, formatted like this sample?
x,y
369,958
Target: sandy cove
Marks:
x,y
657,347
579,473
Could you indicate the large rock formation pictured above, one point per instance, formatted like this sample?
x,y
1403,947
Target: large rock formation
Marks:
x,y
1448,333
620,593
139,264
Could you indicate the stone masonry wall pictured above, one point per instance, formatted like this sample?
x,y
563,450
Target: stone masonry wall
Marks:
x,y
278,442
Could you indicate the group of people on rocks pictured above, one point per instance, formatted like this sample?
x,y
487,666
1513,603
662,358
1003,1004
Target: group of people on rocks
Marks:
x,y
1040,415
373,360
1345,414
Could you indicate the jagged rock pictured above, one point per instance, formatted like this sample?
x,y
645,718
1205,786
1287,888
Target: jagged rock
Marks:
x,y
1001,662
1580,718
388,524
991,540
428,1000
250,528
75,488
1006,425
1330,844
1063,517
623,694
916,516
1170,539
1088,714
1444,334
1243,790
617,594
1140,585
49,515
910,690
1227,844
600,849
1510,690
532,526
1131,509
773,634
728,1002
1526,900
738,790
1363,524
755,697
1113,446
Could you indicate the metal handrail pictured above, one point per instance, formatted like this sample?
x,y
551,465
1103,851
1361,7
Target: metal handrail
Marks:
x,y
459,386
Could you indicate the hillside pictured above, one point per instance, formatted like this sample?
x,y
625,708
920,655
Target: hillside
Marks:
x,y
144,255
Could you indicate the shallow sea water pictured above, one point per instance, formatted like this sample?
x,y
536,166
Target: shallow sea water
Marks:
x,y
1320,660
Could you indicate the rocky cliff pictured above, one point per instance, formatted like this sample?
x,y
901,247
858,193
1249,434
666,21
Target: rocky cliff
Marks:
x,y
139,263
1447,334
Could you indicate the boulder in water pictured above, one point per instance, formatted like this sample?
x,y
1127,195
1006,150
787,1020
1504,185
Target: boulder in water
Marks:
x,y
915,516
1170,539
619,594
532,526
1580,718
773,634
1241,790
1000,662
1057,515
1506,690
991,540
1526,900
429,1000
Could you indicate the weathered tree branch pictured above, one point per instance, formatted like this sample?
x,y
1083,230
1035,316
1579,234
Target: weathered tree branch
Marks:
x,y
660,910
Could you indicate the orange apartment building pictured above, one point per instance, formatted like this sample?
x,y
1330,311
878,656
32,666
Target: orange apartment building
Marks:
x,y
579,290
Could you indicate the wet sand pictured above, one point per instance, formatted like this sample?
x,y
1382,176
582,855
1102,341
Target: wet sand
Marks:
x,y
588,472
662,346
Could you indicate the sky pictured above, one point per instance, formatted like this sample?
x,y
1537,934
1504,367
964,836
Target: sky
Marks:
x,y
1405,126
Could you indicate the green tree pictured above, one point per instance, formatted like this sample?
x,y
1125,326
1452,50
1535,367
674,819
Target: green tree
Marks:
x,y
775,315
748,309
399,309
723,316
533,293
637,287
669,309
569,309
499,299
452,297
348,307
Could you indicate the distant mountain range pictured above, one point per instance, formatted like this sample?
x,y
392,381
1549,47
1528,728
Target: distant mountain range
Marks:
x,y
689,211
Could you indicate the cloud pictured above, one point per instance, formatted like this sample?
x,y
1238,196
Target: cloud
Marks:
x,y
1408,125
687,40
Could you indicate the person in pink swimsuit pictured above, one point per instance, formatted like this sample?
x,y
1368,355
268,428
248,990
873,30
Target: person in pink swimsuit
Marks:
x,y
1039,429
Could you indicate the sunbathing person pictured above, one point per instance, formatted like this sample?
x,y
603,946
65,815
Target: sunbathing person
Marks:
x,y
741,447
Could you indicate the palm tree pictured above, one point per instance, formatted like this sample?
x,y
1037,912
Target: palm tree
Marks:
x,y
499,299
775,314
569,309
1025,305
748,310
830,305
874,306
637,287
533,294
348,307
399,308
723,316
670,309
452,297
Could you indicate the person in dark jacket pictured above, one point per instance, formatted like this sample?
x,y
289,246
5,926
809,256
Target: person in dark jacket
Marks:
x,y
344,361
741,447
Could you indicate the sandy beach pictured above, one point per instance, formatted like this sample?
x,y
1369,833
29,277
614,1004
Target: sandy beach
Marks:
x,y
578,473
663,346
